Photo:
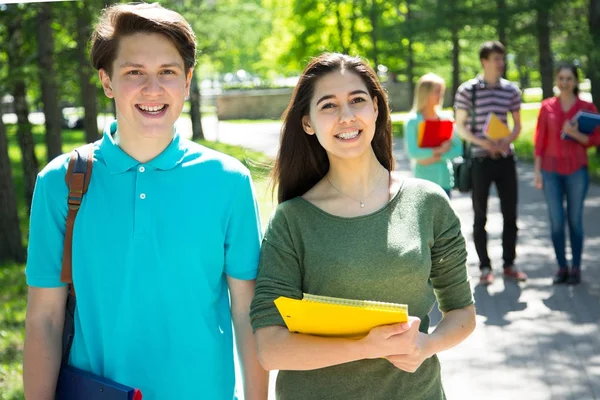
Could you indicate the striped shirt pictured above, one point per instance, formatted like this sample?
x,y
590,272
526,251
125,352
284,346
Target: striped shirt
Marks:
x,y
500,99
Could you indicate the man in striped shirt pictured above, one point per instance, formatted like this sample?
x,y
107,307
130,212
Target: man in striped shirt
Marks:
x,y
492,161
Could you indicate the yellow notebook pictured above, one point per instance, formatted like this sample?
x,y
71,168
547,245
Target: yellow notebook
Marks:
x,y
331,316
494,128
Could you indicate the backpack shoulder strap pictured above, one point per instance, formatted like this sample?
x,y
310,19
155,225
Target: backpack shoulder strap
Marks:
x,y
466,145
77,178
474,102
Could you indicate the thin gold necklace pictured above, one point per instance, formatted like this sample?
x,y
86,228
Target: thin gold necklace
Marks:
x,y
361,202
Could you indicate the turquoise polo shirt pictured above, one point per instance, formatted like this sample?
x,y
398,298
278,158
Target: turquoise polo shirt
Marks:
x,y
152,245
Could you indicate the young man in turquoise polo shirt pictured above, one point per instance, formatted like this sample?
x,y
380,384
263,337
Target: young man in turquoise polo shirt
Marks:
x,y
166,242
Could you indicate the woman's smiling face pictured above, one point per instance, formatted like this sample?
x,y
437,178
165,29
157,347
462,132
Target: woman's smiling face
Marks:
x,y
565,80
342,115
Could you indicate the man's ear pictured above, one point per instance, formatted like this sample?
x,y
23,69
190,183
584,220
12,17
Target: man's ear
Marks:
x,y
306,125
188,82
106,84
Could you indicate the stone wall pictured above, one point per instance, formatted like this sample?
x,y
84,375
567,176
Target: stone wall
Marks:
x,y
253,104
271,103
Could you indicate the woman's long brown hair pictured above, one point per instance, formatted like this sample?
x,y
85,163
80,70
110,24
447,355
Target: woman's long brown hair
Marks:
x,y
301,161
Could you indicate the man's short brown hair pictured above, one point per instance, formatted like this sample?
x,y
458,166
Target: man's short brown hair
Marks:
x,y
127,19
490,47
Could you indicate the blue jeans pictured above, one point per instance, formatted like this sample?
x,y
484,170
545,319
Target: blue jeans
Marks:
x,y
574,187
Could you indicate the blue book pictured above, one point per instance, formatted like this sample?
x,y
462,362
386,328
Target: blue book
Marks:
x,y
587,121
76,384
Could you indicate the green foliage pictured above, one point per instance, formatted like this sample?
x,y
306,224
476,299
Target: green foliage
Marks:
x,y
398,129
304,28
228,32
273,38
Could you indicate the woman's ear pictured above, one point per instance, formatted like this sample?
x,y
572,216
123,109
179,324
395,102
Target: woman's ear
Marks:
x,y
375,107
306,125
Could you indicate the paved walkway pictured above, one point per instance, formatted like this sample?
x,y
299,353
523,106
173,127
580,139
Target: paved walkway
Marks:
x,y
533,340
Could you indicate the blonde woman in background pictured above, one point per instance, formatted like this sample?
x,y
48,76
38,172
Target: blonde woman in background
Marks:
x,y
432,164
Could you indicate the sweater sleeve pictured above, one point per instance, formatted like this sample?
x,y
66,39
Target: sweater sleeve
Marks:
x,y
449,275
541,133
456,149
411,131
279,273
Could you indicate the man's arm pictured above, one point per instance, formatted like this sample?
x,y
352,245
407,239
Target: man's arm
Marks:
x,y
516,116
466,134
255,378
504,144
43,341
461,126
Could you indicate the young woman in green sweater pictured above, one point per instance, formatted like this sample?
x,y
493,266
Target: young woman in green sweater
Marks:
x,y
348,226
432,164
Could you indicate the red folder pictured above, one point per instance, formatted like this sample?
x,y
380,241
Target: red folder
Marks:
x,y
432,133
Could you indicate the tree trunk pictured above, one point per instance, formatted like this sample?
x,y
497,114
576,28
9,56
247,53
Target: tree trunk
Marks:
x,y
50,97
502,26
543,35
523,70
593,70
502,21
11,241
410,62
195,113
355,17
455,59
24,134
373,17
451,8
340,27
88,89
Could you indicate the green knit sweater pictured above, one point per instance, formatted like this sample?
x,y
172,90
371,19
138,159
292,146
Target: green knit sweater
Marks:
x,y
411,251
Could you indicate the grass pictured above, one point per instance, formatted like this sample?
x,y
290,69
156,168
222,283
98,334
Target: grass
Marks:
x,y
13,296
12,321
532,97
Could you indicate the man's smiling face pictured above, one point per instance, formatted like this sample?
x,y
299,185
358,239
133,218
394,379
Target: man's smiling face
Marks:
x,y
149,85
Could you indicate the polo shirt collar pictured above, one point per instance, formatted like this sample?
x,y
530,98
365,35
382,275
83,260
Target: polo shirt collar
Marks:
x,y
484,84
117,161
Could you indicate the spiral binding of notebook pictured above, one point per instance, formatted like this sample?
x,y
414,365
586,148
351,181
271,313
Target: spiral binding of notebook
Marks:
x,y
354,303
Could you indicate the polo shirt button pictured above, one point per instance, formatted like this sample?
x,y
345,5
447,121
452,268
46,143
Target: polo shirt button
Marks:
x,y
143,196
141,169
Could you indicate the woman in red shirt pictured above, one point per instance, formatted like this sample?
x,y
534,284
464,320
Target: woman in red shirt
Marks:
x,y
561,168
